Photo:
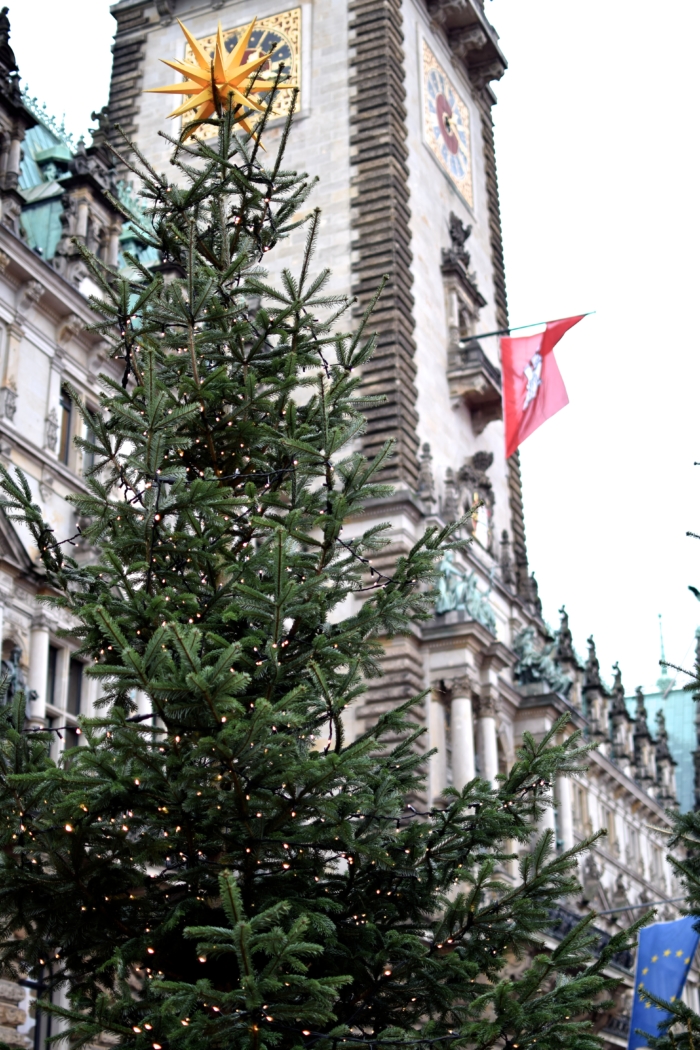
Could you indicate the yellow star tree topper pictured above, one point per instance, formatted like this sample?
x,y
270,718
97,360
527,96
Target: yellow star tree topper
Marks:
x,y
217,83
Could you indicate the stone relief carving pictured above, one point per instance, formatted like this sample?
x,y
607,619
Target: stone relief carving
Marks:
x,y
470,492
426,481
51,430
470,38
458,591
475,483
537,664
14,680
68,328
29,294
506,562
8,402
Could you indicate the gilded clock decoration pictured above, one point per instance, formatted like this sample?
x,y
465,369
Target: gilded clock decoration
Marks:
x,y
279,34
446,126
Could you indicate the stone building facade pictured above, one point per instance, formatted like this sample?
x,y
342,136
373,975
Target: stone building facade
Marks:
x,y
395,118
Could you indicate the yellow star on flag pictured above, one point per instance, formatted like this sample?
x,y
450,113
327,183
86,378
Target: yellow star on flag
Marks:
x,y
645,970
667,952
654,958
222,82
679,952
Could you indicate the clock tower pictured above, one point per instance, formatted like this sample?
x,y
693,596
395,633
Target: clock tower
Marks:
x,y
393,116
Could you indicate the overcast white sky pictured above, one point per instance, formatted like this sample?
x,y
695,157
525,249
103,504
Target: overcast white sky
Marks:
x,y
598,164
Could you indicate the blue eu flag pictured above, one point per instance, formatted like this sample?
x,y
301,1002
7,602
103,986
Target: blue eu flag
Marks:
x,y
664,955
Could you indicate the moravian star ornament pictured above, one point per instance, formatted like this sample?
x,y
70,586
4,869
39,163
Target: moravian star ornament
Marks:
x,y
215,83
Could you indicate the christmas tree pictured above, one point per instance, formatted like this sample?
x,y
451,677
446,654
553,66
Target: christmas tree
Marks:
x,y
228,869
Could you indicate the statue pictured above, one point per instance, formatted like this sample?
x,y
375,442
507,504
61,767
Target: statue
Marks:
x,y
565,642
14,680
8,62
458,591
538,665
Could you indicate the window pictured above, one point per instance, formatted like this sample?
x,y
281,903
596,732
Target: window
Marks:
x,y
89,457
75,686
657,862
607,818
632,851
66,419
51,676
42,1021
71,739
581,818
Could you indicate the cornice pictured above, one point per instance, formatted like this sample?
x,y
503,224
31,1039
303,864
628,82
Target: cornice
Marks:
x,y
629,785
59,297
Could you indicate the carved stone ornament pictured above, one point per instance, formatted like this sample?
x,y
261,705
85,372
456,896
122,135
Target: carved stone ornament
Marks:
x,y
11,205
15,681
537,664
478,497
29,294
51,430
591,674
426,481
46,488
459,687
565,642
458,591
68,328
4,261
470,494
165,10
470,38
8,402
486,704
506,561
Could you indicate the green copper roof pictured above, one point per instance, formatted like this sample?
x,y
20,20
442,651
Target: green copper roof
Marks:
x,y
679,709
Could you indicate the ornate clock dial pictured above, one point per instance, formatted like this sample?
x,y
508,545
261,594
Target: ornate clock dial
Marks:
x,y
446,125
281,32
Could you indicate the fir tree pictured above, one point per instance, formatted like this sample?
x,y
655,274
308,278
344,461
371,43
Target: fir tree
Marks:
x,y
231,871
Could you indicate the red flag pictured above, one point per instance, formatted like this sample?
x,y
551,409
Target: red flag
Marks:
x,y
533,389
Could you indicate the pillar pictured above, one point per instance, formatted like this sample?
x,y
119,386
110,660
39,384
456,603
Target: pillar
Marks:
x,y
113,249
565,812
13,163
438,740
39,667
488,743
81,227
462,729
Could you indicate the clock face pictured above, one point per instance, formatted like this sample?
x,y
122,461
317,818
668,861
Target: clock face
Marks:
x,y
446,126
280,32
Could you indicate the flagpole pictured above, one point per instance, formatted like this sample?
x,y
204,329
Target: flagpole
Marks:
x,y
518,328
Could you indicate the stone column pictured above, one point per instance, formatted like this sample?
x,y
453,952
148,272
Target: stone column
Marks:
x,y
39,667
113,249
462,729
565,812
81,227
488,744
438,740
13,162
